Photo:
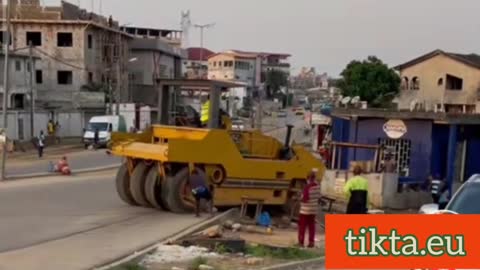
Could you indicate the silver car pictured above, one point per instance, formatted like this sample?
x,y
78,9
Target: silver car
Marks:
x,y
238,124
282,114
465,201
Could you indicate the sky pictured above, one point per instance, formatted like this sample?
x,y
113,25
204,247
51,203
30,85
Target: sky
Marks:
x,y
325,34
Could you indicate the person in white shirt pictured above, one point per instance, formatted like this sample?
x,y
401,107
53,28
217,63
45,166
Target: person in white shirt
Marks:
x,y
41,144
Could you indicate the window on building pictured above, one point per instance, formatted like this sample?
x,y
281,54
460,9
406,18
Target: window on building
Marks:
x,y
34,38
214,64
39,76
90,77
401,151
90,41
415,83
18,101
440,82
65,39
29,66
18,65
65,77
405,83
228,64
454,83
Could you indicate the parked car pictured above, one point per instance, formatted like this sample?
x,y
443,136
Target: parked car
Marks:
x,y
245,113
105,125
282,114
238,124
299,111
465,201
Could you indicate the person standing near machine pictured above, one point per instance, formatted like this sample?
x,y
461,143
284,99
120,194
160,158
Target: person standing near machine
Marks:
x,y
200,191
310,201
356,191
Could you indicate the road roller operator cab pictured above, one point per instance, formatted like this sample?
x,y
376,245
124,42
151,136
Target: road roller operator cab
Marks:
x,y
236,163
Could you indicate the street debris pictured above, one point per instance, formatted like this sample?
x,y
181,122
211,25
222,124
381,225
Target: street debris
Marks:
x,y
213,232
174,253
234,244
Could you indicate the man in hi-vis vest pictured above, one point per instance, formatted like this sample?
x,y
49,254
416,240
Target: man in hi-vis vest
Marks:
x,y
309,207
204,116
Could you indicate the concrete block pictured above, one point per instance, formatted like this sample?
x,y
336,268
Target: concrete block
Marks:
x,y
399,201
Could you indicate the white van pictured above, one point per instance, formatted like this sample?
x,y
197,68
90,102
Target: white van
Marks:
x,y
105,126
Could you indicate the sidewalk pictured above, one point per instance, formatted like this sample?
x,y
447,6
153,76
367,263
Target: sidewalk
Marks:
x,y
49,152
79,160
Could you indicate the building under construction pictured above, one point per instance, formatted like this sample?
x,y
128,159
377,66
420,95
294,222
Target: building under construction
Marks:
x,y
83,56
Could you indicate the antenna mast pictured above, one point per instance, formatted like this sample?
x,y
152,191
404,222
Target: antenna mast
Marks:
x,y
186,25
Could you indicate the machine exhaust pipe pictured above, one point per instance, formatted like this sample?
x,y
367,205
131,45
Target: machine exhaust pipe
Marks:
x,y
289,136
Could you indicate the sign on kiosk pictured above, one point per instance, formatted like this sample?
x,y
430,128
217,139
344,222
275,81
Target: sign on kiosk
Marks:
x,y
395,129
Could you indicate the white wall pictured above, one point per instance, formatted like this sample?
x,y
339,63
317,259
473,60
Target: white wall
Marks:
x,y
71,124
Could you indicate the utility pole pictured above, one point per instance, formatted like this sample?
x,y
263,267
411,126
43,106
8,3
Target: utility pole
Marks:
x,y
117,88
119,75
32,98
259,117
6,75
202,27
110,97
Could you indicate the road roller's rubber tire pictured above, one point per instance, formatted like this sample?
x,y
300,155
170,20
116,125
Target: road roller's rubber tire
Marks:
x,y
172,192
153,189
137,184
122,182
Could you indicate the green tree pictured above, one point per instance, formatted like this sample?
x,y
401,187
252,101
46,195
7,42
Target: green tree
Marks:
x,y
371,80
274,81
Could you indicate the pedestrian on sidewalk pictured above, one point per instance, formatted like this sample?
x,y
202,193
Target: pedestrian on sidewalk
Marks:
x,y
309,207
356,191
57,132
50,128
200,191
96,139
444,198
436,184
40,144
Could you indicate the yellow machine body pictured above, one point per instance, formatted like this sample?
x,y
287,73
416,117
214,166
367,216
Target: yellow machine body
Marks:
x,y
238,163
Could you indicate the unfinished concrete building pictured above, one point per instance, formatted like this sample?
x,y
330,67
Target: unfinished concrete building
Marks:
x,y
158,56
83,55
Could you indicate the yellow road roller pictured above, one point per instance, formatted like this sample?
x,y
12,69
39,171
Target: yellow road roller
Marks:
x,y
237,164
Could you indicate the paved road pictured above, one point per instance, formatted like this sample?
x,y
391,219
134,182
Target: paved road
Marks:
x,y
77,160
75,223
80,160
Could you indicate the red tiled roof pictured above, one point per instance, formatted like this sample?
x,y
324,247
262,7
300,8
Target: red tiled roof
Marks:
x,y
194,54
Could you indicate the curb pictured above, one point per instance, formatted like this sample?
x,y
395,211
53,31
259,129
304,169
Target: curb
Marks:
x,y
317,263
48,174
27,155
191,230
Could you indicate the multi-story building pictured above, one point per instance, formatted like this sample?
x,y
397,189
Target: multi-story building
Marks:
x,y
171,37
20,86
196,65
441,81
249,68
154,57
233,66
81,54
275,61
